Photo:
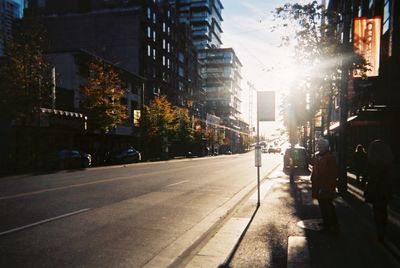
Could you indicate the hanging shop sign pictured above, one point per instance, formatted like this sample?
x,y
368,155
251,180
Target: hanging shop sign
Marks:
x,y
367,37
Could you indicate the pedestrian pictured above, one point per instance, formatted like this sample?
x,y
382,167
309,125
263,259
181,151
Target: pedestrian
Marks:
x,y
360,161
378,187
324,181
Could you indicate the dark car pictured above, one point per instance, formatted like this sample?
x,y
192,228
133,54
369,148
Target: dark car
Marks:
x,y
295,160
69,159
125,156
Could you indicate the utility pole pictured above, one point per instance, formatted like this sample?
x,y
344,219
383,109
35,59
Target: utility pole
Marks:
x,y
347,15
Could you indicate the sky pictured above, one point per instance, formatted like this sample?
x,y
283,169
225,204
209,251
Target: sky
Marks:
x,y
247,29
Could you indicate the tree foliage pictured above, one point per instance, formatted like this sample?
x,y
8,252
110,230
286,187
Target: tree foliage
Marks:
x,y
161,120
25,78
156,119
102,97
319,52
182,125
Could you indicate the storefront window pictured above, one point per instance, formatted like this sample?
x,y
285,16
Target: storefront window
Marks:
x,y
386,16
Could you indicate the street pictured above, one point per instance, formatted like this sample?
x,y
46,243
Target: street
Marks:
x,y
117,216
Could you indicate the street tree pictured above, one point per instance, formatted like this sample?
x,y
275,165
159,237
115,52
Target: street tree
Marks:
x,y
102,97
319,52
182,130
163,125
156,124
25,77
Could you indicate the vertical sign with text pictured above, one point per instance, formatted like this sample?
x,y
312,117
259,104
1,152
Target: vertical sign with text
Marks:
x,y
367,38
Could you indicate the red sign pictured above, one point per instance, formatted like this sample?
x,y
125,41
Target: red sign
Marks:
x,y
367,37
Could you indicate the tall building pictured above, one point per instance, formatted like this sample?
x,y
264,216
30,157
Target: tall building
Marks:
x,y
204,18
141,36
9,11
219,67
221,79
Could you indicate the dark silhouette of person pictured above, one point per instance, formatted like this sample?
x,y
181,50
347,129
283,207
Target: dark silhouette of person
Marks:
x,y
360,162
378,187
324,181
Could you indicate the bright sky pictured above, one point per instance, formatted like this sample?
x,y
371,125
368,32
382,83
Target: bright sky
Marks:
x,y
247,29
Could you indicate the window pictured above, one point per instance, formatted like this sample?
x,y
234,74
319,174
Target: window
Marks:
x,y
386,16
164,44
181,72
164,27
163,60
181,57
371,3
154,18
148,13
149,32
148,50
154,53
154,36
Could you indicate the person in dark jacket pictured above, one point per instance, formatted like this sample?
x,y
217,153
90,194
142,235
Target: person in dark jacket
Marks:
x,y
323,181
360,162
378,188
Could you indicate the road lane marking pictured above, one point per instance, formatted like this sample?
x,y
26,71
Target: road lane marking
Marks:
x,y
44,221
82,184
173,184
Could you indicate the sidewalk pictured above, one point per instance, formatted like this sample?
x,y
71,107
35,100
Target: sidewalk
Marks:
x,y
285,232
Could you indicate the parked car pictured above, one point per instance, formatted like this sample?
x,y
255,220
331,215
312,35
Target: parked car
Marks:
x,y
295,159
126,156
70,159
271,149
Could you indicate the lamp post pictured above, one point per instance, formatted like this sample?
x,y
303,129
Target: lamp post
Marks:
x,y
342,150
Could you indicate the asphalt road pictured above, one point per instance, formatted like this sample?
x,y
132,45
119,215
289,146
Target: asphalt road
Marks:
x,y
121,216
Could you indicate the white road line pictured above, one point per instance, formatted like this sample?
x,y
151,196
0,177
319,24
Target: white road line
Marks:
x,y
173,184
43,221
84,184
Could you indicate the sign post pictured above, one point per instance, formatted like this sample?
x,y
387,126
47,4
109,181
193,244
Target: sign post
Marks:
x,y
265,112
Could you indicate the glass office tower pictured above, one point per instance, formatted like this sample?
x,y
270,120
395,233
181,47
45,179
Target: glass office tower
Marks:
x,y
204,18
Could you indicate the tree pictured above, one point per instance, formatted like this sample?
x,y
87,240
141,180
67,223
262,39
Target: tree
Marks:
x,y
155,123
161,121
25,79
102,97
319,50
182,130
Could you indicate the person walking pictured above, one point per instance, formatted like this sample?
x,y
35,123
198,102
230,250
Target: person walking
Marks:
x,y
360,161
378,188
324,181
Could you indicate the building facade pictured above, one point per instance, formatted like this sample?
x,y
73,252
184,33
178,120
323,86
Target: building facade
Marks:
x,y
371,106
142,36
204,18
9,11
221,79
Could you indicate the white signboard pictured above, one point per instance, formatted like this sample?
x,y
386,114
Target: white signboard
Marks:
x,y
266,105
